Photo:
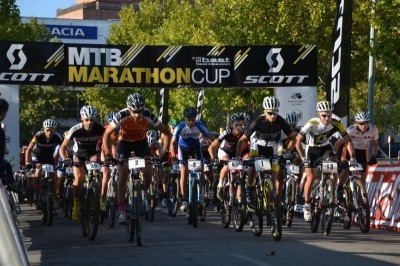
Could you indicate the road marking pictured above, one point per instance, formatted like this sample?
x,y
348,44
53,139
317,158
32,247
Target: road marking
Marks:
x,y
253,261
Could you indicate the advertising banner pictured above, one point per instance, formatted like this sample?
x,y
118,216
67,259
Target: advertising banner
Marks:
x,y
383,186
91,65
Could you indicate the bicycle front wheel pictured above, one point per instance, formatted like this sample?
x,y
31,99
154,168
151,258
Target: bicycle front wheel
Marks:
x,y
363,215
315,209
138,205
256,217
327,207
226,210
290,200
93,211
238,206
348,207
273,213
49,203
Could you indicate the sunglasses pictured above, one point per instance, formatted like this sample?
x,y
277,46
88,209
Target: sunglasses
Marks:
x,y
272,113
49,130
87,120
136,111
325,116
362,123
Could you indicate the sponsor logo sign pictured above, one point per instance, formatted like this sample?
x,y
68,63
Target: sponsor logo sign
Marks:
x,y
73,32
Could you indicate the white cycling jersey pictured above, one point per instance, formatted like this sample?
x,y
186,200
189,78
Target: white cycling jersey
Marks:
x,y
318,134
361,140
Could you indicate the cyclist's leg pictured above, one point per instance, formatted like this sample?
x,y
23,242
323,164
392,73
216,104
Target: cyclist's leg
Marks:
x,y
104,182
77,186
124,151
222,155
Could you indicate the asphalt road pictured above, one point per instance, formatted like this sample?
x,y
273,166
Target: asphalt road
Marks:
x,y
171,241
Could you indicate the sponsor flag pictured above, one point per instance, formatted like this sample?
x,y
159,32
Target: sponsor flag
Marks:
x,y
338,77
200,101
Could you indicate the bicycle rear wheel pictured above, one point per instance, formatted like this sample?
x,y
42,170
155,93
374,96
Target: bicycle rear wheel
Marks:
x,y
225,210
238,207
290,201
327,207
363,215
93,211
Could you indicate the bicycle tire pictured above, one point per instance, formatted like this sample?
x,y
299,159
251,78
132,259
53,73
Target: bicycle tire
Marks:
x,y
93,218
315,209
363,214
256,217
328,202
83,214
130,211
348,206
152,202
225,210
291,199
173,196
194,204
49,202
203,208
138,220
112,212
238,208
68,202
273,213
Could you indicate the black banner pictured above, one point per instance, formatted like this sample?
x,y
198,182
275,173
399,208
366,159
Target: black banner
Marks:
x,y
87,65
338,77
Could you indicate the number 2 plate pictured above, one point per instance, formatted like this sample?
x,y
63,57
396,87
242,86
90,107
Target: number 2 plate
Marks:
x,y
262,165
135,163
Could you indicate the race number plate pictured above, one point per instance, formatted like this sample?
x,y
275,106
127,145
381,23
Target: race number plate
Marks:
x,y
357,167
135,163
93,166
68,170
194,165
262,165
235,165
294,169
48,168
329,167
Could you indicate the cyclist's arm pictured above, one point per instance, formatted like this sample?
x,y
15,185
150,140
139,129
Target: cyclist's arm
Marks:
x,y
375,147
172,147
239,148
292,142
107,139
28,152
213,148
64,149
166,136
337,145
350,146
299,147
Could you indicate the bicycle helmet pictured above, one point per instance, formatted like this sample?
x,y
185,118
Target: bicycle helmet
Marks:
x,y
173,122
190,112
49,123
111,117
361,117
246,117
292,118
152,137
135,102
271,103
324,106
236,117
88,112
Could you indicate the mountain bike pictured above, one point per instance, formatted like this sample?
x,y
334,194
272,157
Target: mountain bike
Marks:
x,y
152,193
174,189
226,201
135,209
68,192
46,194
195,193
111,199
210,184
238,171
355,201
291,192
30,190
90,205
267,201
323,198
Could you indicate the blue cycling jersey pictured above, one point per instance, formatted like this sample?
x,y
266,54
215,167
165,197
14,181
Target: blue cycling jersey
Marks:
x,y
190,137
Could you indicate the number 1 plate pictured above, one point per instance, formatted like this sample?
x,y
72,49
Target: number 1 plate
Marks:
x,y
262,165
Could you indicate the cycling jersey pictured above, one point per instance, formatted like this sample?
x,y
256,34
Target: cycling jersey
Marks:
x,y
44,149
131,129
86,143
360,139
190,137
318,134
229,141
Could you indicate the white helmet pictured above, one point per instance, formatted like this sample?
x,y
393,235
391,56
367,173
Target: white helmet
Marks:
x,y
88,112
271,103
361,117
292,118
49,123
324,106
135,101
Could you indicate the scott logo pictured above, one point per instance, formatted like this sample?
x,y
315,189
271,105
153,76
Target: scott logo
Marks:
x,y
271,62
22,58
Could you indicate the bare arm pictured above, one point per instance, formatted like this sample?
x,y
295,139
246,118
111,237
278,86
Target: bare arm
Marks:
x,y
213,148
292,142
107,139
166,136
28,152
299,147
240,145
350,146
64,149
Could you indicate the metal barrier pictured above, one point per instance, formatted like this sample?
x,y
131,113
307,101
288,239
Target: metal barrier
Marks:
x,y
12,246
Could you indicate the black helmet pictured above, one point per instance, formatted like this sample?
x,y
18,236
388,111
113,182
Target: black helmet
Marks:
x,y
190,112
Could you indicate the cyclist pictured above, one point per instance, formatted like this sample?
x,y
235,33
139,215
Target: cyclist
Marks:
x,y
265,134
246,119
224,147
105,168
187,133
44,149
361,133
86,137
318,130
132,123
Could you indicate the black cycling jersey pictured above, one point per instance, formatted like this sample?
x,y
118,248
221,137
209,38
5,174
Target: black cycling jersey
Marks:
x,y
86,143
265,130
229,140
44,149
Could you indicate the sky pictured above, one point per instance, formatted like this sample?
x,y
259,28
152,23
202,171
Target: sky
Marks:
x,y
42,8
